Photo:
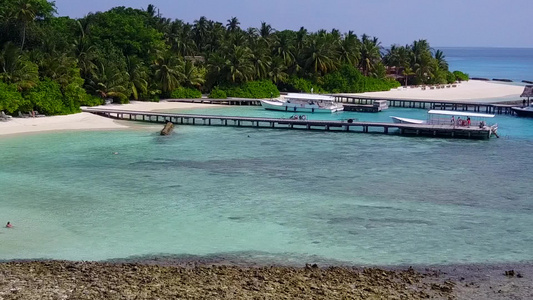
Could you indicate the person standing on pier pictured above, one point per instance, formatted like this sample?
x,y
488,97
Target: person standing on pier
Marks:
x,y
452,121
468,121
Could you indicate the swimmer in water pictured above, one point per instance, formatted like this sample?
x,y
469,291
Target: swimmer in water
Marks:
x,y
8,225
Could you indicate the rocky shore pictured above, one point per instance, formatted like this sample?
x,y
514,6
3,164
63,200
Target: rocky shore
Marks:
x,y
97,280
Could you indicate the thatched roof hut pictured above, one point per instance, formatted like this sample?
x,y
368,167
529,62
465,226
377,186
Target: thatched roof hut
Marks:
x,y
528,91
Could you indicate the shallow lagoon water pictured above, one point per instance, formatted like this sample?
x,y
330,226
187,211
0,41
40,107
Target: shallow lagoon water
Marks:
x,y
287,195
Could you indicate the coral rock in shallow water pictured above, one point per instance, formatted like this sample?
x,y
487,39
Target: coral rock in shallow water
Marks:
x,y
167,130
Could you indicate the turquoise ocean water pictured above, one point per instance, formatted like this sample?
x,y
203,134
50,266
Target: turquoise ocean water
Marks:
x,y
503,63
270,195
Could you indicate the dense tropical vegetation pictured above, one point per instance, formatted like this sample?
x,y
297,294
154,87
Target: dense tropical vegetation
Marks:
x,y
55,64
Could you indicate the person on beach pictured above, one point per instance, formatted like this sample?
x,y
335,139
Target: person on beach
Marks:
x,y
8,225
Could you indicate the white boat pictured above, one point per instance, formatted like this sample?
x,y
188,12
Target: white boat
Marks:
x,y
399,120
452,119
310,103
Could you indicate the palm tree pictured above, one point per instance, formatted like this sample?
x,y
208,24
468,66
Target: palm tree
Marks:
x,y
301,36
108,82
216,68
16,69
441,60
151,10
24,14
233,24
200,32
215,32
180,38
137,76
260,59
84,52
239,66
318,56
192,75
284,47
349,49
167,72
278,70
61,68
421,61
266,30
370,53
397,57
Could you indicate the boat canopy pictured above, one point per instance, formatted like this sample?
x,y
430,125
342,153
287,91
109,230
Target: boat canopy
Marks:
x,y
309,97
459,113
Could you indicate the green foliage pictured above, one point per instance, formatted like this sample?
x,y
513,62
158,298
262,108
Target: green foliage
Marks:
x,y
74,96
120,99
128,29
297,84
371,84
218,93
46,98
461,76
16,68
252,89
185,93
350,80
10,98
450,77
90,100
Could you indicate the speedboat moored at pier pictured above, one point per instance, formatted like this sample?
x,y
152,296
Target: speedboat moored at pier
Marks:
x,y
452,119
525,111
310,103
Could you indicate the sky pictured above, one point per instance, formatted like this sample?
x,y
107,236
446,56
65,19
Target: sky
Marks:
x,y
444,23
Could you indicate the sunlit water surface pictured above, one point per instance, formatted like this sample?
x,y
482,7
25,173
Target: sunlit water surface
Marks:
x,y
286,195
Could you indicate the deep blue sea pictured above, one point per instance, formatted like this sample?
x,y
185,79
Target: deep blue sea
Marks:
x,y
502,63
271,195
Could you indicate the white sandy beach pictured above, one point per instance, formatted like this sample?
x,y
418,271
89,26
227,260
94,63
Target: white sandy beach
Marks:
x,y
84,121
468,91
473,90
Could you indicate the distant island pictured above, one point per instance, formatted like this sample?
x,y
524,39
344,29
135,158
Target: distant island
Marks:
x,y
54,65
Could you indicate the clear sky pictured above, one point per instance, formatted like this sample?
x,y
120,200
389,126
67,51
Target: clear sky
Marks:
x,y
461,23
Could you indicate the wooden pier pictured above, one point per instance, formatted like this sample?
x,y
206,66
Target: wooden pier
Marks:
x,y
228,101
364,104
489,108
278,123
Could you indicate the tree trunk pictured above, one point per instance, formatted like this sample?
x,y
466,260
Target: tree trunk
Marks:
x,y
23,37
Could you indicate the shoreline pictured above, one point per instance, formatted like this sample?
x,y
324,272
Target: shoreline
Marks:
x,y
84,121
479,91
193,278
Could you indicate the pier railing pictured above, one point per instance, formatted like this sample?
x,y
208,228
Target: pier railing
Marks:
x,y
490,108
